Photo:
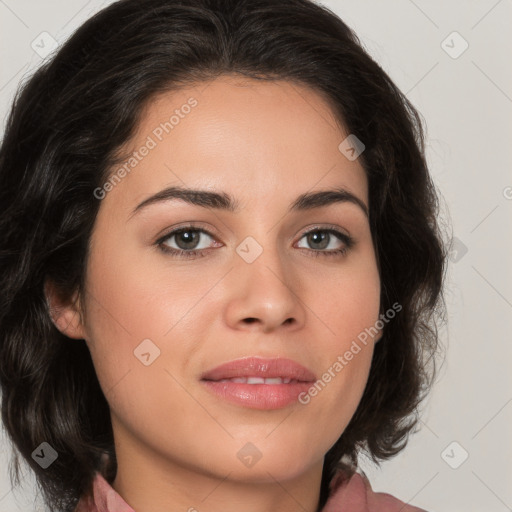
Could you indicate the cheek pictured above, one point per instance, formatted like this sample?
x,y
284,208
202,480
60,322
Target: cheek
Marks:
x,y
131,300
119,312
349,302
125,292
349,310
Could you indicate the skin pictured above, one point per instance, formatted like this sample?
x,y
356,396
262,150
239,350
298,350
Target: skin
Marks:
x,y
264,143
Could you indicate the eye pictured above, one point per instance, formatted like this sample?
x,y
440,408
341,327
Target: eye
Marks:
x,y
322,238
187,241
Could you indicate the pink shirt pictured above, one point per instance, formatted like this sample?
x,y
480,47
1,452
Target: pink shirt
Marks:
x,y
347,495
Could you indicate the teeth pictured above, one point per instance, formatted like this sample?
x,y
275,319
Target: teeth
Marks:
x,y
276,380
258,380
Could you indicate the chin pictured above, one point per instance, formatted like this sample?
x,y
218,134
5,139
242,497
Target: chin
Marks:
x,y
270,461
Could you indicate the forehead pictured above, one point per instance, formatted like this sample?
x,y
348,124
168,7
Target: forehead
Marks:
x,y
269,139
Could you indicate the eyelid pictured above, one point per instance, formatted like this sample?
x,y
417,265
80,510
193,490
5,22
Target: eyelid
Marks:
x,y
213,232
347,240
166,233
325,227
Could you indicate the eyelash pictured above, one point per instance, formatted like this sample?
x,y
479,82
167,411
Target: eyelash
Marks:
x,y
179,253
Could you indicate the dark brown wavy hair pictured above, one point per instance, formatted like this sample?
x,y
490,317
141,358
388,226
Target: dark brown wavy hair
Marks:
x,y
66,125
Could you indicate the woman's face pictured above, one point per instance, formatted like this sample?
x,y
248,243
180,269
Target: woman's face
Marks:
x,y
257,286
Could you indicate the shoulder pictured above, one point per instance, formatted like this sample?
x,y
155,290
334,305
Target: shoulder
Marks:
x,y
86,504
103,499
354,492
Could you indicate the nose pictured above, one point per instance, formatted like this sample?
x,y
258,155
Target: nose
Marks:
x,y
264,295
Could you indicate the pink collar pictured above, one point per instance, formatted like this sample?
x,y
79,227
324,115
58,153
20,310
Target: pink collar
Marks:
x,y
354,494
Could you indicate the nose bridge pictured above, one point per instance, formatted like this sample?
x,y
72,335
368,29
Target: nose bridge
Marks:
x,y
261,260
263,284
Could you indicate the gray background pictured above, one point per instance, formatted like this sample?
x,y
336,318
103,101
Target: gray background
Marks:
x,y
466,101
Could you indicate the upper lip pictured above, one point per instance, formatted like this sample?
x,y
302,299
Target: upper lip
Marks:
x,y
260,367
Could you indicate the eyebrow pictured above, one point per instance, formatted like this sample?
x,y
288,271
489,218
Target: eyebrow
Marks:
x,y
223,201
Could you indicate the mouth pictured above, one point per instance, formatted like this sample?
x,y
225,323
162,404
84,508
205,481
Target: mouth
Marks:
x,y
259,380
259,383
251,368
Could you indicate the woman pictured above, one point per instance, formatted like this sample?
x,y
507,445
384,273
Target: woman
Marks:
x,y
221,266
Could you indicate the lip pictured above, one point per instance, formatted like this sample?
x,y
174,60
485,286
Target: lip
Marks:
x,y
259,396
261,367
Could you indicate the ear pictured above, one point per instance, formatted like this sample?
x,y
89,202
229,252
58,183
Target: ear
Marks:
x,y
66,315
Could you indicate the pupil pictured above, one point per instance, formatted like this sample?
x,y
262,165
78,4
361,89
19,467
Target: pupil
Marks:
x,y
189,237
319,235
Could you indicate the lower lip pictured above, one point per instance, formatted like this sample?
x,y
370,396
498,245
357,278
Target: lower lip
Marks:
x,y
258,396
